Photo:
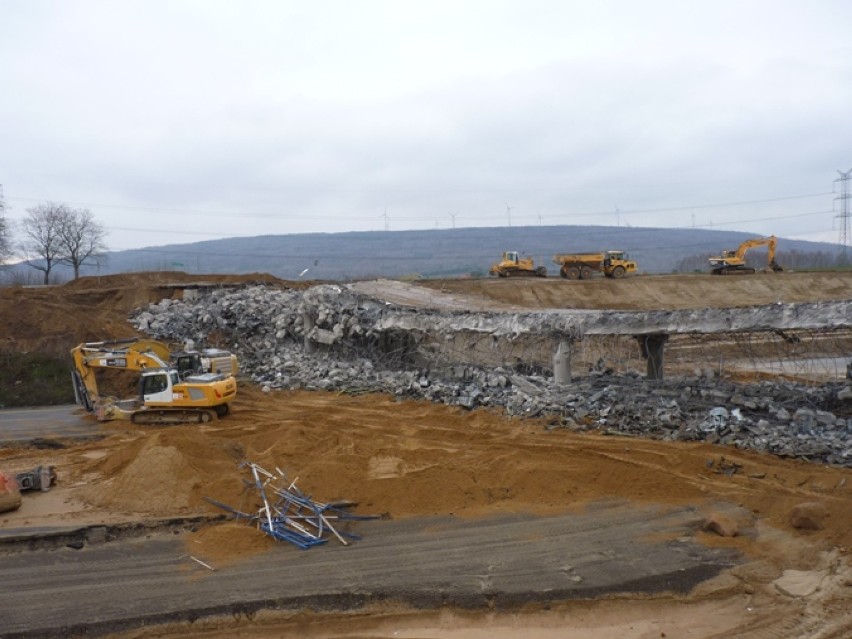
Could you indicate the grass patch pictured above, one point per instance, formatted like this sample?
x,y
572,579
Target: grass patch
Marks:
x,y
34,379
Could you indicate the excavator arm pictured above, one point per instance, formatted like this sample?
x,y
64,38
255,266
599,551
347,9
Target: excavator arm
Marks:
x,y
133,355
770,242
734,261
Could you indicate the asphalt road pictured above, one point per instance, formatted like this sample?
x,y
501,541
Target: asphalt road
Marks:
x,y
50,422
494,562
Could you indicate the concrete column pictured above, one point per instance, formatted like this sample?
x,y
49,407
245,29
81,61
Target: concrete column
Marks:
x,y
307,327
651,347
562,362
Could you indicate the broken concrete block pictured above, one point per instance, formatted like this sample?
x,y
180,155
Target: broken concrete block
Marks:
x,y
808,516
799,583
722,525
825,418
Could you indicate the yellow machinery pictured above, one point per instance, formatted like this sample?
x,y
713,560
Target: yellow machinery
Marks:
x,y
733,262
164,396
513,265
575,266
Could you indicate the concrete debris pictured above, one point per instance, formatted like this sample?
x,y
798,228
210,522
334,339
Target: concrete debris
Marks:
x,y
809,516
330,338
800,583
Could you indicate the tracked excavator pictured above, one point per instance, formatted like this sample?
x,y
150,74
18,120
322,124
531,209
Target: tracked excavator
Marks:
x,y
166,395
733,262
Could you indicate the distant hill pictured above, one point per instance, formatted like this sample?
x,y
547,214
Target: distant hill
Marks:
x,y
430,254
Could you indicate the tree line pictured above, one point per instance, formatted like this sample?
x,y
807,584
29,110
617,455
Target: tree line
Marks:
x,y
53,234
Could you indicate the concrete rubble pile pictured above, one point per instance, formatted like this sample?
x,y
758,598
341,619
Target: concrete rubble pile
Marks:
x,y
329,338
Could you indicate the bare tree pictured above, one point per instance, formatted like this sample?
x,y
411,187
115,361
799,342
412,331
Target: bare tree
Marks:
x,y
81,239
41,236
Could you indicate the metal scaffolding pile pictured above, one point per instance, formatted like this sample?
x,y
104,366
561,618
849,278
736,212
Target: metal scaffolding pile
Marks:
x,y
287,514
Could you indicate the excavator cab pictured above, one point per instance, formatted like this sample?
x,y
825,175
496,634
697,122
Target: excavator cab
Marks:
x,y
158,385
187,364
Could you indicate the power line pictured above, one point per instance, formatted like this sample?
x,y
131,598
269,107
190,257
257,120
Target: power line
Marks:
x,y
281,215
844,198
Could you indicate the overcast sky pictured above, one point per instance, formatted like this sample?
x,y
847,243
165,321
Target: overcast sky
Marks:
x,y
178,121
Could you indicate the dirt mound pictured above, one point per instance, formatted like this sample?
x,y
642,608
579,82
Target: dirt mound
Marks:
x,y
161,473
171,278
54,319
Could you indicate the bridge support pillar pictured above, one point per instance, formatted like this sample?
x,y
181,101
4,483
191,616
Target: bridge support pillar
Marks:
x,y
651,348
562,363
307,326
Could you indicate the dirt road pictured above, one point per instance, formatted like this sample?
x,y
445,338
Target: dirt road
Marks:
x,y
497,562
49,422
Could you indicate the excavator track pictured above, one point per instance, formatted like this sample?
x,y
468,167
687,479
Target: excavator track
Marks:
x,y
169,416
539,272
735,270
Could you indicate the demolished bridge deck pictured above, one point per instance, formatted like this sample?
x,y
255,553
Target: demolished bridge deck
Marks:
x,y
412,308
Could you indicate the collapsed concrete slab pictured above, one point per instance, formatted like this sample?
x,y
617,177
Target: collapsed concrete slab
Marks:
x,y
331,337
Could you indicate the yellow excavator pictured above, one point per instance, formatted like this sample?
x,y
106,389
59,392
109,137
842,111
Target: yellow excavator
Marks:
x,y
513,265
166,395
733,262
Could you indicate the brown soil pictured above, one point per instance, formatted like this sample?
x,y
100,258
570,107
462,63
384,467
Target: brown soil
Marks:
x,y
53,319
666,292
410,459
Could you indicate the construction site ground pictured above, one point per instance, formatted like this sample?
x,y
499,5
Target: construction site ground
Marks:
x,y
491,526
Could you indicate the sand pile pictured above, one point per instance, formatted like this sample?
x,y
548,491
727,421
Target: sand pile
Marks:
x,y
227,543
163,473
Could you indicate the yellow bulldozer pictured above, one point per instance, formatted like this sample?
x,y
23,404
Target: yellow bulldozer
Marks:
x,y
513,265
732,262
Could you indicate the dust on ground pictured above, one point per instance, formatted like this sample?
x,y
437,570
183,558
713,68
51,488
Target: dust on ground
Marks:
x,y
412,458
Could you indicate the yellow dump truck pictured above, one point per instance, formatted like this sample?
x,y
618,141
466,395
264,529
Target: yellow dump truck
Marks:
x,y
582,266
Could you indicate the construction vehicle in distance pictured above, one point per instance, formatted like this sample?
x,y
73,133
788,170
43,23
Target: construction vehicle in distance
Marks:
x,y
165,395
733,262
209,360
583,266
513,265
